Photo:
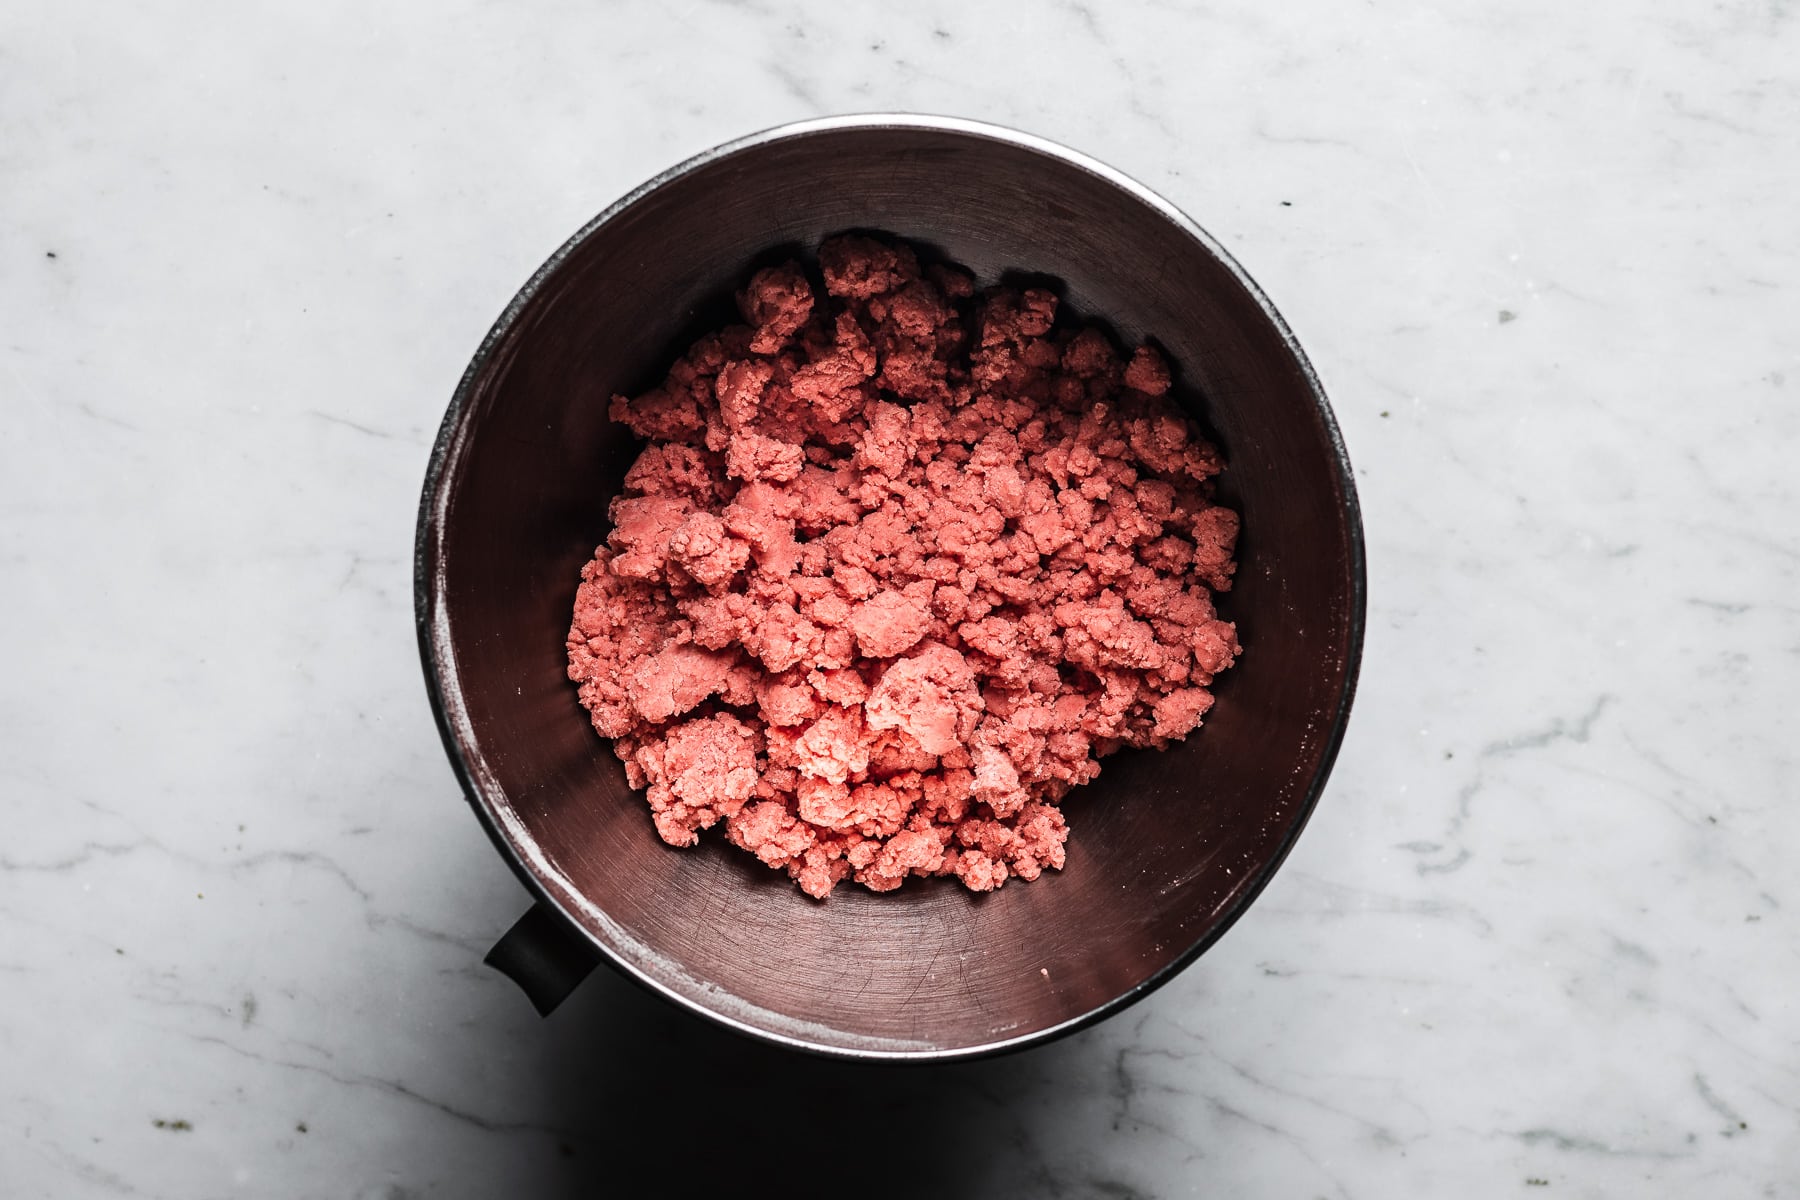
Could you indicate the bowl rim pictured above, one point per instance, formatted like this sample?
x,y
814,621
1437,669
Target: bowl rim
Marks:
x,y
437,653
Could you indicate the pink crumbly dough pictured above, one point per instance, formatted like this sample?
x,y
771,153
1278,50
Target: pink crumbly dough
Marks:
x,y
898,566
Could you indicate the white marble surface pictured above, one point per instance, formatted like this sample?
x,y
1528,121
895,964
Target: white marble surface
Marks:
x,y
1540,937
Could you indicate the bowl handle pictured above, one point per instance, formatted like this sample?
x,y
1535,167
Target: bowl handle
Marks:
x,y
544,956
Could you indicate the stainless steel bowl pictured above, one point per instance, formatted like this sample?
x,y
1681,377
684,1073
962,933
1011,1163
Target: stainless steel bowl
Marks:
x,y
1166,849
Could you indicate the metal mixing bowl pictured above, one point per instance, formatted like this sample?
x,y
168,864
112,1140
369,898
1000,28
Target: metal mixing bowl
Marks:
x,y
1166,850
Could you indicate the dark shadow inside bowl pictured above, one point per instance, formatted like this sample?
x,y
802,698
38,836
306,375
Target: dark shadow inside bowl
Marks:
x,y
1164,849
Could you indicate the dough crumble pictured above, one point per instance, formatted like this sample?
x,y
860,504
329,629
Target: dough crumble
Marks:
x,y
899,564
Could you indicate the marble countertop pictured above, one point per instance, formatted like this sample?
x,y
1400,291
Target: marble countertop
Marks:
x,y
1539,937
